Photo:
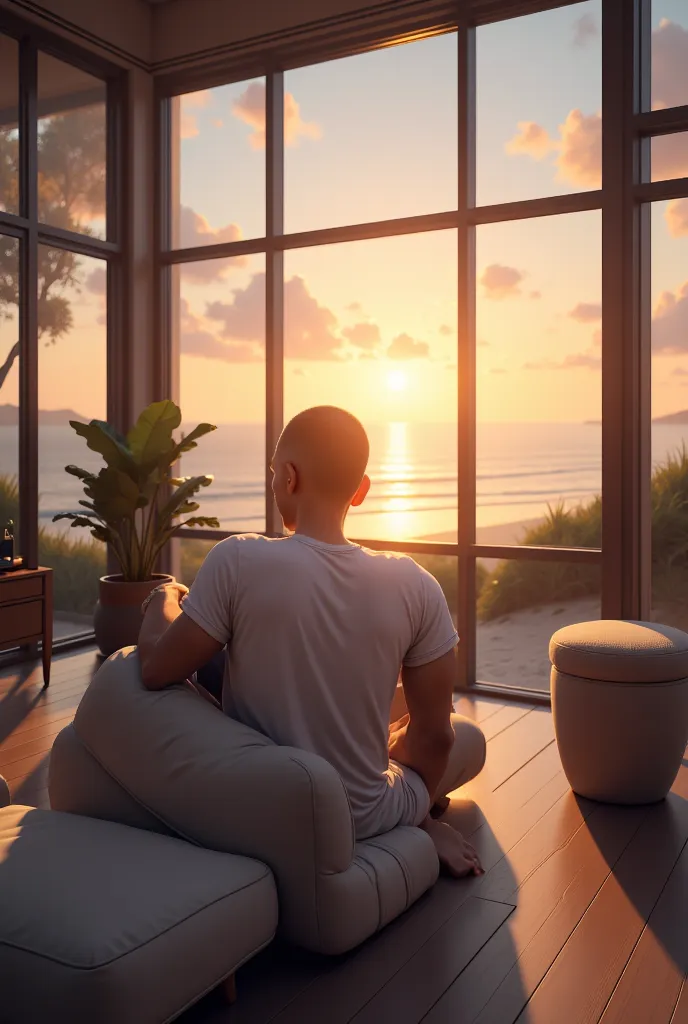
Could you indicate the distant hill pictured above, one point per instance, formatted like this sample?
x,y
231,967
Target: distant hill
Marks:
x,y
9,416
674,417
679,418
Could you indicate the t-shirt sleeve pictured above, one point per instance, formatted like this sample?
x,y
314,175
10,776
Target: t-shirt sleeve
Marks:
x,y
211,598
435,634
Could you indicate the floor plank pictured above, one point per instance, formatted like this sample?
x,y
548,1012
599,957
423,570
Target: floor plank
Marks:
x,y
582,979
681,1012
411,993
551,897
650,986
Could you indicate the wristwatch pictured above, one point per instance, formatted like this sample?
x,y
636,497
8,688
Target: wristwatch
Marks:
x,y
149,598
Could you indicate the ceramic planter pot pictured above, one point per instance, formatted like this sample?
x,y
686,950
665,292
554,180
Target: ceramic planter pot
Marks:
x,y
117,616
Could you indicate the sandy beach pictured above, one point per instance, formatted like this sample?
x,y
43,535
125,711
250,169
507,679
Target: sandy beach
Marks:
x,y
501,533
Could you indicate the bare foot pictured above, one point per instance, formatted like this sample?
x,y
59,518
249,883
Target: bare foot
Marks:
x,y
455,853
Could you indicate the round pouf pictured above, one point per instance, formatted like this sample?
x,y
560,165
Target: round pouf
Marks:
x,y
620,708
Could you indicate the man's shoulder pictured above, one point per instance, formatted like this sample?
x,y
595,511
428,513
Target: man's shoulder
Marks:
x,y
393,564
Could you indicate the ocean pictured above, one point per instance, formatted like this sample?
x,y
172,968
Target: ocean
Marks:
x,y
521,469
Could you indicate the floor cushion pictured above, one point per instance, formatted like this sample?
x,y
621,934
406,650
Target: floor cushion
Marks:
x,y
102,922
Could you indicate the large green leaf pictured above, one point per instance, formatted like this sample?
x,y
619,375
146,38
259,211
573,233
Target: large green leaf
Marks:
x,y
115,495
150,440
189,441
108,442
181,495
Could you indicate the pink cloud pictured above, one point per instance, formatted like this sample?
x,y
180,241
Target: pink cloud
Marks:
x,y
96,281
577,150
363,335
250,108
585,29
531,140
676,216
500,282
406,347
587,312
670,322
310,329
188,122
669,65
197,339
446,330
194,230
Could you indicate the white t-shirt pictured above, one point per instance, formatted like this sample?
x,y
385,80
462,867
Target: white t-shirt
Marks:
x,y
316,636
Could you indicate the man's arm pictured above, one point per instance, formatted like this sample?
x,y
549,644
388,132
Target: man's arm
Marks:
x,y
171,645
425,741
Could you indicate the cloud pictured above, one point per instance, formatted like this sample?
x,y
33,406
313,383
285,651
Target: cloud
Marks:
x,y
679,371
196,339
355,307
406,347
188,122
363,335
96,281
577,150
501,282
669,63
498,370
531,140
250,108
585,29
194,230
575,361
310,329
670,322
536,295
676,216
586,312
446,330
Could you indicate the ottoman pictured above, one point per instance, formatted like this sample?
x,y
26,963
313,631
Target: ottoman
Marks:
x,y
620,708
105,923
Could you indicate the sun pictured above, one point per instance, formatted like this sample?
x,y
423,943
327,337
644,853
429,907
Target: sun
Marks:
x,y
397,381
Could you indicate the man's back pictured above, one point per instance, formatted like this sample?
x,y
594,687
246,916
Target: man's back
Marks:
x,y
316,636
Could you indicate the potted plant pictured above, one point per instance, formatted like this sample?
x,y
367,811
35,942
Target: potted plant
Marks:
x,y
134,504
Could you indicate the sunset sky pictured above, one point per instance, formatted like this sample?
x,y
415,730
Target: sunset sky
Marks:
x,y
372,325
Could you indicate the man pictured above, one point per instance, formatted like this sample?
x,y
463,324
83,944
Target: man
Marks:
x,y
316,630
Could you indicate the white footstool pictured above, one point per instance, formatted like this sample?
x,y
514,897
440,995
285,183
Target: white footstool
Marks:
x,y
620,708
109,924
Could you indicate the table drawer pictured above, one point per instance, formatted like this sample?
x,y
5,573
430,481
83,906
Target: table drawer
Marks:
x,y
19,590
21,620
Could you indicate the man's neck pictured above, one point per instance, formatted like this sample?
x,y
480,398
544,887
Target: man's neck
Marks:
x,y
326,527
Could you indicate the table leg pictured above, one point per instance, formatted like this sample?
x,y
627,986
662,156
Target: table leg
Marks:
x,y
47,626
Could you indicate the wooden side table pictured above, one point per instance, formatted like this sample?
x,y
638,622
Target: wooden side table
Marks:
x,y
26,611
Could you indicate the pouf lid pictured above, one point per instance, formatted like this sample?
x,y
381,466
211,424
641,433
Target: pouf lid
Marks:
x,y
616,651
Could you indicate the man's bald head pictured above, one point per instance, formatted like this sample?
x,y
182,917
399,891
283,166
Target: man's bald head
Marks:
x,y
329,449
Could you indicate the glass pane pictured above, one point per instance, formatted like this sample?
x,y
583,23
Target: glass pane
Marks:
x,y
9,385
539,381
71,148
72,384
520,606
192,554
539,100
670,156
221,324
9,125
670,412
371,326
372,137
669,53
218,146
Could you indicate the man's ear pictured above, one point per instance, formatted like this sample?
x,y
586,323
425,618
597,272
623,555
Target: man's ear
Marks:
x,y
361,494
291,477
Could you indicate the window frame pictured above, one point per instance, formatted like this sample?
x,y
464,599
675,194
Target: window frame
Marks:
x,y
623,199
31,233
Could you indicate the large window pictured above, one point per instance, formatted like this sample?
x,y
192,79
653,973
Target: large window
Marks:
x,y
439,236
57,244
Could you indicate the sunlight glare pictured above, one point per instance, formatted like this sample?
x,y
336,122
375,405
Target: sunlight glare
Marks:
x,y
397,380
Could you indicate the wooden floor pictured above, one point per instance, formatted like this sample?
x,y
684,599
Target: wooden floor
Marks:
x,y
582,915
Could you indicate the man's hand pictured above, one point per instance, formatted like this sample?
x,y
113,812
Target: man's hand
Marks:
x,y
455,853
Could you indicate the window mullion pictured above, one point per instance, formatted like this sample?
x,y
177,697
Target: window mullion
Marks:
x,y
274,285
